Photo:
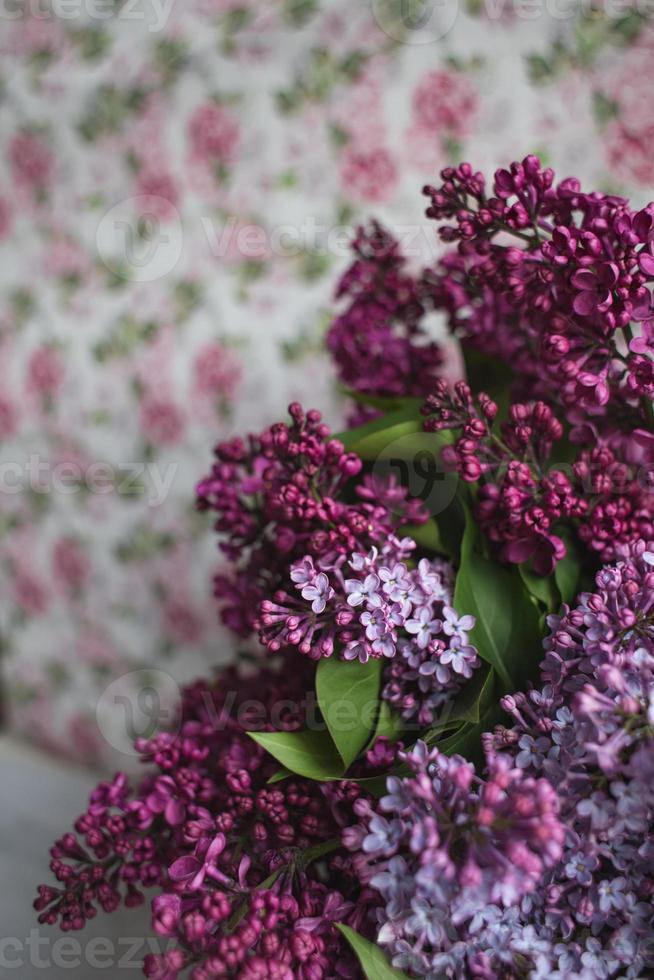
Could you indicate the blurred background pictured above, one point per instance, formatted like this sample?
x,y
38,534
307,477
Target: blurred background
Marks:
x,y
179,181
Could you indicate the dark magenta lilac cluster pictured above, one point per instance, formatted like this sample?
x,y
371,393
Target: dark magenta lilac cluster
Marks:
x,y
378,342
224,850
561,275
522,499
290,492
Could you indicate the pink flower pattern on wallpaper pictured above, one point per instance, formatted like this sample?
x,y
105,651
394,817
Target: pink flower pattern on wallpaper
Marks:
x,y
628,113
230,140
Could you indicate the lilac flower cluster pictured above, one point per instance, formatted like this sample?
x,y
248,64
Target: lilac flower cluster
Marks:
x,y
619,500
562,297
443,847
590,730
282,495
250,877
371,606
539,866
510,877
521,502
378,342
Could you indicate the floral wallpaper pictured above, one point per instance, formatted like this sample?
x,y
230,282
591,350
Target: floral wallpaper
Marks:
x,y
178,183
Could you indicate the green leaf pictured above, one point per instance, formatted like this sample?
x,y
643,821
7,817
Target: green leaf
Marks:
x,y
489,374
506,632
375,785
466,710
365,435
480,592
473,701
383,443
428,536
541,587
348,695
484,372
567,571
374,962
385,403
451,526
309,754
466,740
397,445
390,723
279,776
457,741
317,851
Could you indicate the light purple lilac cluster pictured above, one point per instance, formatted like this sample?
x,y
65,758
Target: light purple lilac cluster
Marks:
x,y
374,605
568,893
444,846
590,730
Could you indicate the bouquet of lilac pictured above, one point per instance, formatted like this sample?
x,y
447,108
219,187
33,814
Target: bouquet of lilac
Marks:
x,y
440,760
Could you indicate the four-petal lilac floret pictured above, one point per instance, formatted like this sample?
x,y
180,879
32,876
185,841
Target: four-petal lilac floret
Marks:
x,y
318,592
423,627
363,591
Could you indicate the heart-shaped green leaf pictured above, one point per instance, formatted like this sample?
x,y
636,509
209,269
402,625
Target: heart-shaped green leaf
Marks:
x,y
310,754
348,695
